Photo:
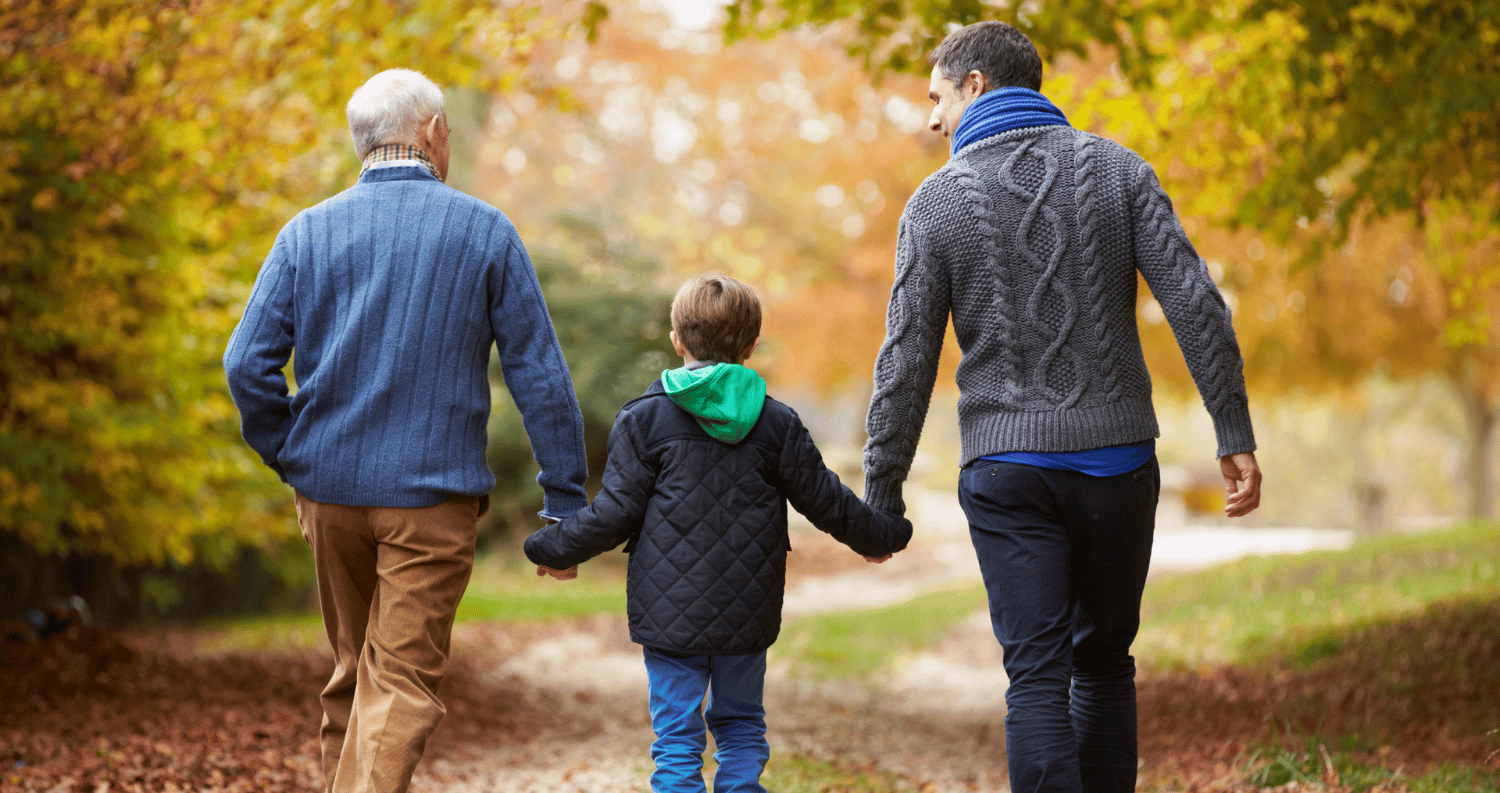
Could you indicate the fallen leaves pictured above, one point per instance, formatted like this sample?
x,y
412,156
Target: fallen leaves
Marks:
x,y
137,716
127,719
1410,694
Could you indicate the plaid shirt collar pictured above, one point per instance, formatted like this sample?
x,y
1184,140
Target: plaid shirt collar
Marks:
x,y
398,151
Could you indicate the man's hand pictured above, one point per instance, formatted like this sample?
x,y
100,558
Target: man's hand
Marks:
x,y
561,575
878,559
1241,484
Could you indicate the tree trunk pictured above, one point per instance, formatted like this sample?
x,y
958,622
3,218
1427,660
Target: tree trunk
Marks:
x,y
1484,417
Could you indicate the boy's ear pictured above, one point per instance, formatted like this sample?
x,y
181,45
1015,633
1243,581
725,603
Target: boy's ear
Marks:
x,y
745,356
677,344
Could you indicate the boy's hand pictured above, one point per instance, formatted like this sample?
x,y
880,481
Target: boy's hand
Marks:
x,y
561,575
878,559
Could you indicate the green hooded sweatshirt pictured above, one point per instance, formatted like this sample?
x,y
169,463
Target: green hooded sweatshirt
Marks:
x,y
725,398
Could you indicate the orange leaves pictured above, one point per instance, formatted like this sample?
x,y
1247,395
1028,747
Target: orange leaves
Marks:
x,y
777,161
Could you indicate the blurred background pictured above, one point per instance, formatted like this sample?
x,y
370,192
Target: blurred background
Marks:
x,y
1336,165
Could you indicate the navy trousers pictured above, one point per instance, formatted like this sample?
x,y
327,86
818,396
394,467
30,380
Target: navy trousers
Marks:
x,y
723,693
1064,557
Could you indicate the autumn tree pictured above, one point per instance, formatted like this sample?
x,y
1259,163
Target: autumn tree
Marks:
x,y
780,162
1347,149
150,151
1367,228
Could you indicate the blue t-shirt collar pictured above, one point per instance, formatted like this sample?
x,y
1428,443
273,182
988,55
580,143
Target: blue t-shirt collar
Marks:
x,y
1002,110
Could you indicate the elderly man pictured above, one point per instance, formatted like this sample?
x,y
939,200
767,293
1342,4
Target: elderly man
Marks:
x,y
1030,238
393,293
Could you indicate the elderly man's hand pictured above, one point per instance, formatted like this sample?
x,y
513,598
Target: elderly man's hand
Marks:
x,y
1241,484
561,575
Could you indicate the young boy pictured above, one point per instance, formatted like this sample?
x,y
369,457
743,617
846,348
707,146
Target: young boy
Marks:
x,y
699,473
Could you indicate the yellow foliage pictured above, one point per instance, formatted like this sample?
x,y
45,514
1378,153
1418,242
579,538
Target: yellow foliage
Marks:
x,y
149,153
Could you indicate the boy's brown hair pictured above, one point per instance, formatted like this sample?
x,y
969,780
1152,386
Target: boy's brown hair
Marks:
x,y
716,318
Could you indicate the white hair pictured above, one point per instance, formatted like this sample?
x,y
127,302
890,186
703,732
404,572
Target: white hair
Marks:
x,y
391,108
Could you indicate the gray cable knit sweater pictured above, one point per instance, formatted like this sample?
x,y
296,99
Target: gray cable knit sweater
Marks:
x,y
1031,240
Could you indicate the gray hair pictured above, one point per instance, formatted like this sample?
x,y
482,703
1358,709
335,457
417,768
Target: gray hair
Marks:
x,y
391,108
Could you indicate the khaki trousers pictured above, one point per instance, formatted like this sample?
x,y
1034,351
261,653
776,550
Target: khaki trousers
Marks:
x,y
389,582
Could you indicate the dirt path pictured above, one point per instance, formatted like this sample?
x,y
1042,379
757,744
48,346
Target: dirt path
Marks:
x,y
588,687
536,708
936,721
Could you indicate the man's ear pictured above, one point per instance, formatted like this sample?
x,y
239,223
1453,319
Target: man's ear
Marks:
x,y
434,131
975,84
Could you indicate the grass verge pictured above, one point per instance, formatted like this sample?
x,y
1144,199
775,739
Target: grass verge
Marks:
x,y
507,589
1263,607
862,643
1314,767
502,589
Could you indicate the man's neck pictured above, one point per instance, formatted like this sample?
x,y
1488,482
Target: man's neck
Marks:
x,y
402,153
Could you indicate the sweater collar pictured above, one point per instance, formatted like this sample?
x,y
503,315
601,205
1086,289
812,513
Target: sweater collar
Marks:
x,y
1002,110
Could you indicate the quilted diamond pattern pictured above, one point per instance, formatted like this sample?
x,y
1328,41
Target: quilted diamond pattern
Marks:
x,y
705,524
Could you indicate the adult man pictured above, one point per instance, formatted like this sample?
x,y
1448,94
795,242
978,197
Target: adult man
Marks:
x,y
1031,237
393,293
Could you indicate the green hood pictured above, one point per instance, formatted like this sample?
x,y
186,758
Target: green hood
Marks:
x,y
725,398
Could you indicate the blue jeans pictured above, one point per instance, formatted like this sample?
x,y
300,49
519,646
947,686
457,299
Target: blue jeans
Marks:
x,y
731,686
1064,557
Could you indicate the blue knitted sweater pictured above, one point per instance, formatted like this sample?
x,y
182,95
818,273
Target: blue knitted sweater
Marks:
x,y
393,294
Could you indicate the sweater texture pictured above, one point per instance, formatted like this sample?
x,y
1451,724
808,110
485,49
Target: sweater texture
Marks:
x,y
1031,240
393,294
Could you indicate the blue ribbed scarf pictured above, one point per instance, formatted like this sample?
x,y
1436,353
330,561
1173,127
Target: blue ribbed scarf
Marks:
x,y
1005,109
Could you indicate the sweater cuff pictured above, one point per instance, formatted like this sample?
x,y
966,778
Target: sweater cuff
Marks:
x,y
885,494
1233,431
559,507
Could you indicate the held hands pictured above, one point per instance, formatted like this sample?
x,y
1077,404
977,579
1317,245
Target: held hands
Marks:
x,y
878,559
561,575
1241,484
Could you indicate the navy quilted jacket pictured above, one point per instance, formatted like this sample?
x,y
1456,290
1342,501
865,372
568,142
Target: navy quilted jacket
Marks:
x,y
705,524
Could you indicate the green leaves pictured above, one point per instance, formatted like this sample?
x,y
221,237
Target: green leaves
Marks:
x,y
898,35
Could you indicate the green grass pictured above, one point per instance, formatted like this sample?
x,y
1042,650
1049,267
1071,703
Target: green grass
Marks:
x,y
1264,607
502,589
861,643
507,589
1244,611
1315,766
286,632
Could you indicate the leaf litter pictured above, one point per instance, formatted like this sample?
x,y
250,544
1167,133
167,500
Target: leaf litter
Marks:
x,y
144,712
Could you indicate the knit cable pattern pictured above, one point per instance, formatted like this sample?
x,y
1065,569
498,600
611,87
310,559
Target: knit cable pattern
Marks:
x,y
1056,335
909,354
987,224
1192,302
1087,189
